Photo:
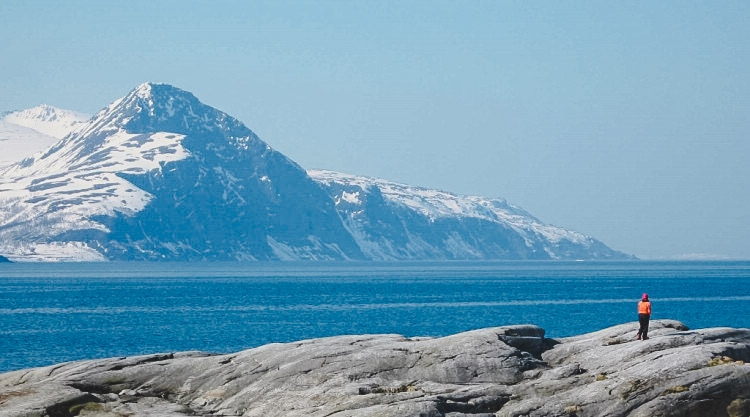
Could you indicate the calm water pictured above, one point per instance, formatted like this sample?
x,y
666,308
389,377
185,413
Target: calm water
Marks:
x,y
51,313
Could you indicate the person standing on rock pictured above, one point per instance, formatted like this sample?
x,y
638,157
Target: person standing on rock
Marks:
x,y
644,315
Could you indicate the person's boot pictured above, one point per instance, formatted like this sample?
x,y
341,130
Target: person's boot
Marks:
x,y
638,336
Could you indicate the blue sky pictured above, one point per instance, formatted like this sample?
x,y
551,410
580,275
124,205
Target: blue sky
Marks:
x,y
627,121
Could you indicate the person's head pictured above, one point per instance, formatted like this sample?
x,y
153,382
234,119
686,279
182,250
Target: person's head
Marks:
x,y
644,297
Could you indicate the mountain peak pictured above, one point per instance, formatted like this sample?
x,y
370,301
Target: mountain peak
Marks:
x,y
46,119
152,107
144,89
157,100
152,93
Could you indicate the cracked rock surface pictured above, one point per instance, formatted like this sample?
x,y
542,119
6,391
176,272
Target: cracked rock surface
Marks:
x,y
502,371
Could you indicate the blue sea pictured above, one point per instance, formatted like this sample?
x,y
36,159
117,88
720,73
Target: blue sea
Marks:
x,y
51,313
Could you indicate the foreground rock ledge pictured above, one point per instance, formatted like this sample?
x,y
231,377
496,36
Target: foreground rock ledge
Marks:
x,y
503,371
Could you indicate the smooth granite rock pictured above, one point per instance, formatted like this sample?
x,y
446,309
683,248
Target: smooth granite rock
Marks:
x,y
503,371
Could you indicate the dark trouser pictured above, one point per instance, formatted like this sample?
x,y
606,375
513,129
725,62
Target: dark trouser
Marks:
x,y
643,320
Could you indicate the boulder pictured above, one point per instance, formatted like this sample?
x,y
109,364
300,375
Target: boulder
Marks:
x,y
502,371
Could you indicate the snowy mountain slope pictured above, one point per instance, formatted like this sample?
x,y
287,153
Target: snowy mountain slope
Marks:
x,y
50,120
18,142
447,226
25,132
158,175
65,187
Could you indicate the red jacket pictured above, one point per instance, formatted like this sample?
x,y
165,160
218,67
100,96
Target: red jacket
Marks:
x,y
644,307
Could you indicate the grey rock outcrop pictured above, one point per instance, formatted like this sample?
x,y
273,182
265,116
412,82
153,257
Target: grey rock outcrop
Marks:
x,y
503,371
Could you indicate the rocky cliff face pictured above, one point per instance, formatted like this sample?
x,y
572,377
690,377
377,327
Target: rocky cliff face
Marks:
x,y
504,371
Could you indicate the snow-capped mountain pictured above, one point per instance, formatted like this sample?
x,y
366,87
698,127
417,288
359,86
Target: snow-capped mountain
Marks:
x,y
392,221
158,175
25,132
46,119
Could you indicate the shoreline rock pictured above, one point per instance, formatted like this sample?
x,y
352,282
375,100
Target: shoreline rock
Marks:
x,y
503,371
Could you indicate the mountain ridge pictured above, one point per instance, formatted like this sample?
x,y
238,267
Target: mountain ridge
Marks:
x,y
25,132
437,207
49,120
158,175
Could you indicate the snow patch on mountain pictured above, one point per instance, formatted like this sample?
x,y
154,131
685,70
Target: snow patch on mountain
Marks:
x,y
52,252
18,142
